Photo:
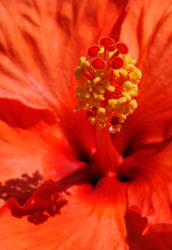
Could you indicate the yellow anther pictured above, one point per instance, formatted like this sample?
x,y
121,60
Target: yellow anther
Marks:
x,y
86,106
128,85
92,119
101,51
122,100
89,88
96,80
101,111
101,124
113,130
122,118
118,128
125,94
138,74
111,53
95,95
129,60
110,88
101,97
83,62
130,67
86,95
78,69
133,104
103,118
100,89
112,102
133,92
133,76
78,73
120,72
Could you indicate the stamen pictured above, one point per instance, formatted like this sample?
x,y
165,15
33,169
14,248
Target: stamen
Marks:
x,y
108,84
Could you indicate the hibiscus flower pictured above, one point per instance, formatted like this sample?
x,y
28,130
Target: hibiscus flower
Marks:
x,y
65,184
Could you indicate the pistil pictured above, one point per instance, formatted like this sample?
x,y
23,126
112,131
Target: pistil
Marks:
x,y
108,87
107,159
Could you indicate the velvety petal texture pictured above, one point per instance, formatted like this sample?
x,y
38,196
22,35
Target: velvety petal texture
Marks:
x,y
154,61
40,43
30,156
64,185
86,217
148,193
158,237
151,122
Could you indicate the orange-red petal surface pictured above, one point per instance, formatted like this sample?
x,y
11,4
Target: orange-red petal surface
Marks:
x,y
151,122
140,23
40,42
89,220
29,156
159,237
150,190
26,69
156,90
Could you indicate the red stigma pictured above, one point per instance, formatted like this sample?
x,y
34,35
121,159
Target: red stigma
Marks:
x,y
93,50
98,63
122,48
116,63
107,41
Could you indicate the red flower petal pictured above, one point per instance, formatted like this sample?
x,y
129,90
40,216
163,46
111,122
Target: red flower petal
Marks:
x,y
141,20
27,71
21,151
87,220
152,119
156,90
149,191
40,51
87,213
158,237
16,114
37,48
157,76
41,149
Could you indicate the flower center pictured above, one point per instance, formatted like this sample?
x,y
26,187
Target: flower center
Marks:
x,y
108,84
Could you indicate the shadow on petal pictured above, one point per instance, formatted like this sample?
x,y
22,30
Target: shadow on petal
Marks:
x,y
16,114
20,188
158,237
43,202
